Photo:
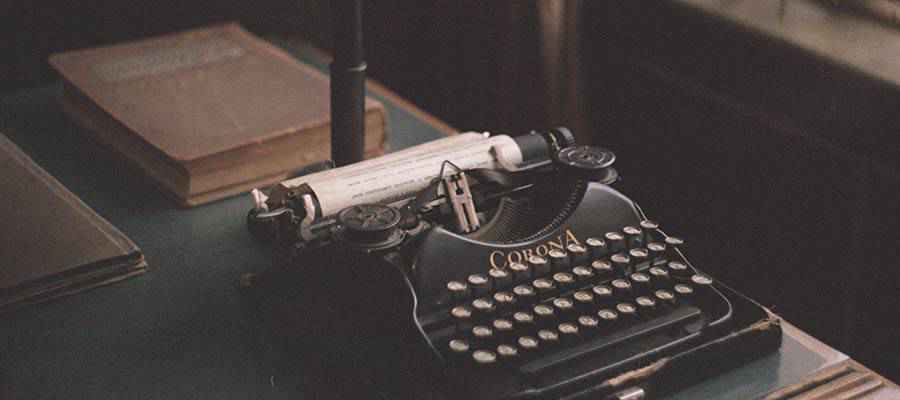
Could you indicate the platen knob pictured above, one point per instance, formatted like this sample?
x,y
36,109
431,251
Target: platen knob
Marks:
x,y
372,226
592,162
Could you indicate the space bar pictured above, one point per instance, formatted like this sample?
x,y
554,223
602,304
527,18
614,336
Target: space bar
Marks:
x,y
679,315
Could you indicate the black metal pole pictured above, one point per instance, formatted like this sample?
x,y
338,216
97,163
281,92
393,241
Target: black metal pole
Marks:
x,y
348,77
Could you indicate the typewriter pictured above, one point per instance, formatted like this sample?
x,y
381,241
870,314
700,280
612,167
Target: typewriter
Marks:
x,y
480,267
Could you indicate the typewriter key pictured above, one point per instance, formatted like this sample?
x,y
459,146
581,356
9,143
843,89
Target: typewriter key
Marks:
x,y
626,310
483,308
659,276
458,290
507,352
539,265
646,305
520,272
482,334
543,286
640,281
544,315
563,280
640,258
673,241
584,300
621,287
582,273
621,263
607,316
665,297
596,247
526,294
683,290
523,320
568,333
479,284
503,328
504,301
578,254
548,337
602,293
501,278
615,242
649,225
657,251
701,280
602,268
588,324
679,269
484,357
528,344
462,318
564,305
634,236
458,348
559,260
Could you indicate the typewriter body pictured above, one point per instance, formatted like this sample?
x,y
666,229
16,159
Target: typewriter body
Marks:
x,y
539,283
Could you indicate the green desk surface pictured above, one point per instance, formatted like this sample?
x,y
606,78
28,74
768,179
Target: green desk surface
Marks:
x,y
181,331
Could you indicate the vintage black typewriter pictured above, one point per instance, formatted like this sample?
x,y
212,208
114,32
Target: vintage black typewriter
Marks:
x,y
526,276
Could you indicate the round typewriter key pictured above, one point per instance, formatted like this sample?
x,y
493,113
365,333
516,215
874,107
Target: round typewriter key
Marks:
x,y
621,263
634,236
559,260
640,281
646,305
520,272
484,357
539,265
528,343
462,317
564,280
649,225
607,316
701,280
458,290
621,287
664,297
673,241
657,251
602,293
615,242
503,328
544,314
483,307
507,352
588,324
640,258
564,305
578,254
479,284
501,278
683,290
602,267
568,332
483,335
548,337
596,247
679,269
504,301
523,319
584,300
543,286
526,294
659,275
626,309
458,348
582,273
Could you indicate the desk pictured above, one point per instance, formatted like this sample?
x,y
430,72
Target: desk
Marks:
x,y
181,331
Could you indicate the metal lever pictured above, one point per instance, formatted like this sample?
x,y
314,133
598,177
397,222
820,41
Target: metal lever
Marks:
x,y
457,188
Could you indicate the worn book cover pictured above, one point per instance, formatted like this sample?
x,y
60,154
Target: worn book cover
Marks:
x,y
52,243
208,112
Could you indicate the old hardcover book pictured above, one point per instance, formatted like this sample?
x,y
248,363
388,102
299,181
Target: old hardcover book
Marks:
x,y
52,243
206,113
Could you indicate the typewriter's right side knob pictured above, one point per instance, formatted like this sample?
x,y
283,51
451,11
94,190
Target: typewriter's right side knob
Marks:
x,y
594,163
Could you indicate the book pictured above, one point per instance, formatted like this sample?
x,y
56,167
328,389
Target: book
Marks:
x,y
53,244
206,113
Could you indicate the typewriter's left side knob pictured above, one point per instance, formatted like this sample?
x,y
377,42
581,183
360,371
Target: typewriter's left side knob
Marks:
x,y
370,226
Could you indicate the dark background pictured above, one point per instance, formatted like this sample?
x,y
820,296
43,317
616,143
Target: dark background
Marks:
x,y
779,166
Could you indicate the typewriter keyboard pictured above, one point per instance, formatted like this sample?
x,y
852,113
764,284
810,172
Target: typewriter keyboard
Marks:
x,y
571,303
